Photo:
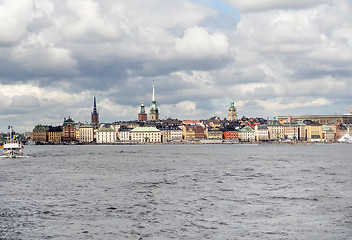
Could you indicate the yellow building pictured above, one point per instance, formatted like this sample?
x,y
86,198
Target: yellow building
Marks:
x,y
40,133
314,132
276,130
188,132
55,134
213,133
146,135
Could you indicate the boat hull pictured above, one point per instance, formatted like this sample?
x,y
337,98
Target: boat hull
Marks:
x,y
12,154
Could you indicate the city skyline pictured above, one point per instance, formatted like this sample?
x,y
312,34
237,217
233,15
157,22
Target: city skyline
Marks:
x,y
271,58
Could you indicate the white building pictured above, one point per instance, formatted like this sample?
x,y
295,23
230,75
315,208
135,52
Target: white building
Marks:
x,y
106,135
86,133
261,132
146,135
246,134
124,134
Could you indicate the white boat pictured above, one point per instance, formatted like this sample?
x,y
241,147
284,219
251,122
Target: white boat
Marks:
x,y
345,139
12,147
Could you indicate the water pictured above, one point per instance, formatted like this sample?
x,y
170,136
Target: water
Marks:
x,y
178,192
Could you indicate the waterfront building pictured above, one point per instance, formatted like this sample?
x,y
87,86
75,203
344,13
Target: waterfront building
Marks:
x,y
146,135
232,113
68,130
199,132
154,111
55,134
106,135
321,119
231,134
328,134
276,130
261,132
40,134
171,133
246,134
95,114
291,131
142,116
86,133
213,133
302,134
124,133
188,132
313,131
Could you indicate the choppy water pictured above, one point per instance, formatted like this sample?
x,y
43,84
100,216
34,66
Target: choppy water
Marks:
x,y
178,192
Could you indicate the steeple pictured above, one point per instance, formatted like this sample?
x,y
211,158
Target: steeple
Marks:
x,y
153,100
95,114
142,116
154,111
142,108
232,112
95,106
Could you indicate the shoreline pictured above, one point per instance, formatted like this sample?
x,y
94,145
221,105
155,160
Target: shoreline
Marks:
x,y
194,143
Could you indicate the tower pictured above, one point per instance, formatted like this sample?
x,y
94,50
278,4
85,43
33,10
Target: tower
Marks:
x,y
95,114
154,112
142,116
232,112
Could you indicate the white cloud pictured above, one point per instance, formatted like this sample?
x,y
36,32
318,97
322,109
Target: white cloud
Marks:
x,y
255,5
279,104
199,44
181,110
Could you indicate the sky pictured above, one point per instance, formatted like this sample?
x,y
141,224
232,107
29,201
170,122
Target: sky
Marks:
x,y
271,57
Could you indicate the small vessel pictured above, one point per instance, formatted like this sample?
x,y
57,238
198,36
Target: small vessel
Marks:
x,y
345,139
12,147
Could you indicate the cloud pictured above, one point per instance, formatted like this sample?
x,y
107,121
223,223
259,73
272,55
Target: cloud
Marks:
x,y
181,110
253,5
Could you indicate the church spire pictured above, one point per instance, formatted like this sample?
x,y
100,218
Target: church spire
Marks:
x,y
153,100
95,114
154,111
95,106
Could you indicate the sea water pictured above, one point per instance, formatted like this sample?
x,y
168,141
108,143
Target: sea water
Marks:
x,y
178,192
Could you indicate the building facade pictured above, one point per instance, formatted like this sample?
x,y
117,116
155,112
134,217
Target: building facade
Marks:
x,y
230,134
213,133
261,132
314,132
55,134
40,134
106,135
276,130
68,130
246,134
146,135
86,133
171,133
